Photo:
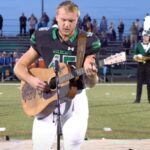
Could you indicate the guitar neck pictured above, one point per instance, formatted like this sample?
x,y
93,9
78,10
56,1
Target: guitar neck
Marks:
x,y
77,72
73,74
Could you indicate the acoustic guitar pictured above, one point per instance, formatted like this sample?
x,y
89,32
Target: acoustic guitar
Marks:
x,y
41,104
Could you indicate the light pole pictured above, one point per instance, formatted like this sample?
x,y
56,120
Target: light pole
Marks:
x,y
42,6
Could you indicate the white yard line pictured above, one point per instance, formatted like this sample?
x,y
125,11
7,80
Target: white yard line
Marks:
x,y
11,84
116,84
99,84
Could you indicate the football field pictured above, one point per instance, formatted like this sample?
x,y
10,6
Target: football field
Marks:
x,y
113,114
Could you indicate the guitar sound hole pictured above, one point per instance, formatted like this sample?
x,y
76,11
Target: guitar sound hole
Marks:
x,y
52,83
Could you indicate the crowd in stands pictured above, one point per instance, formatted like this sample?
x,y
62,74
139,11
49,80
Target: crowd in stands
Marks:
x,y
106,32
87,23
7,62
33,21
103,29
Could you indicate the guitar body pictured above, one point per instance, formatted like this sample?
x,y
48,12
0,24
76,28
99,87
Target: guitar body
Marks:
x,y
41,104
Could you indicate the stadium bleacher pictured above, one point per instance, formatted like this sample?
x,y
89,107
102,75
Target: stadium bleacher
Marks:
x,y
13,43
124,71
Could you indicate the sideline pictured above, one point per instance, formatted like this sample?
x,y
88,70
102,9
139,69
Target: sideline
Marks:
x,y
99,84
116,84
11,84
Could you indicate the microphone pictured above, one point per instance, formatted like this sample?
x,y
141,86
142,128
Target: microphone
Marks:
x,y
56,66
54,81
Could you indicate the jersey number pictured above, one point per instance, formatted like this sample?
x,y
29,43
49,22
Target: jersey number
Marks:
x,y
66,59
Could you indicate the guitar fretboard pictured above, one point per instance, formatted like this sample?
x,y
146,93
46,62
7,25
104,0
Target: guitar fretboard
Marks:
x,y
71,75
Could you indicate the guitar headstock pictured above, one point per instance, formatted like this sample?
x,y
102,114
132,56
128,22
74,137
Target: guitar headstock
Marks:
x,y
114,59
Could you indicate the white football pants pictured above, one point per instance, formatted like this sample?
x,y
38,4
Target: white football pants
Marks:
x,y
74,120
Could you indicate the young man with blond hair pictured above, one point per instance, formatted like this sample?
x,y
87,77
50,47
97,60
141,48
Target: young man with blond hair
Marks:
x,y
60,44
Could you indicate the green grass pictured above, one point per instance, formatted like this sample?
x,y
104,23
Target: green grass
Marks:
x,y
18,125
110,106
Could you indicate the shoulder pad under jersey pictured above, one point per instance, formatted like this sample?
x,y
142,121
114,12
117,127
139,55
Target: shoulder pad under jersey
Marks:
x,y
89,34
43,28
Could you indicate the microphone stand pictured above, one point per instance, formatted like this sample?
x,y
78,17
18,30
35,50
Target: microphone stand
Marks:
x,y
58,105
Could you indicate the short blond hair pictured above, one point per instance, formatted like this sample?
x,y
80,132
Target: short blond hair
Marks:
x,y
69,6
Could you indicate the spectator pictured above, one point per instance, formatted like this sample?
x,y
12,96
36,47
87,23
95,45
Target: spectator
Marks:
x,y
112,32
95,26
121,30
79,23
6,58
2,59
88,26
32,24
15,58
103,25
23,21
6,65
86,19
45,19
104,39
41,23
133,34
1,25
127,45
54,23
139,28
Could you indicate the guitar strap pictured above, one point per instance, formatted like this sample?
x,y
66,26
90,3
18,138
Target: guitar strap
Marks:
x,y
81,46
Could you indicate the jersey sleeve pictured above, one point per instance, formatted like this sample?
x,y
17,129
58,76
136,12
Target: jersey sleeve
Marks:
x,y
39,38
93,44
33,41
